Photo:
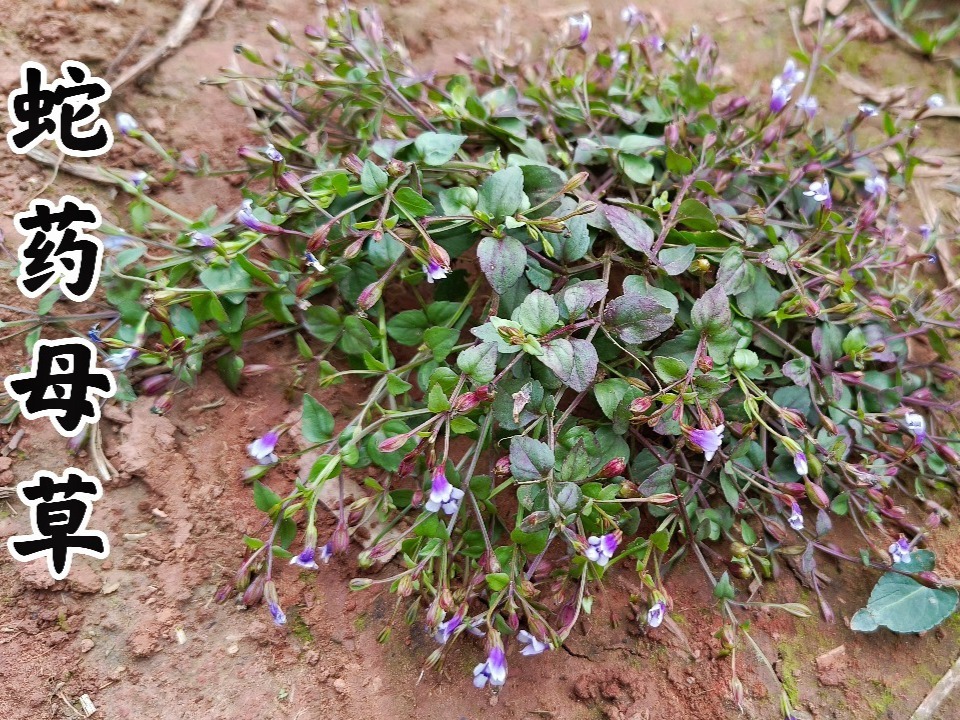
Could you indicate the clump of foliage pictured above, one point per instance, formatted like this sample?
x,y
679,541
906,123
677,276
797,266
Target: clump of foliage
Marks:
x,y
610,313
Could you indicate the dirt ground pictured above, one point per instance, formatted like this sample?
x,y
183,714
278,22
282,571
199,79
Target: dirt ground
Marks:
x,y
139,633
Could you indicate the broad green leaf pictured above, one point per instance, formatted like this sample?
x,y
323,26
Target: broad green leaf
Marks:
x,y
502,193
502,261
479,362
574,362
412,202
711,312
529,459
676,260
637,318
316,423
438,148
373,179
538,313
630,228
696,216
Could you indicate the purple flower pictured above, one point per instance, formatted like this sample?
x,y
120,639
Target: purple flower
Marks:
x,y
443,494
708,440
800,463
272,153
925,231
262,448
656,43
119,360
579,27
779,96
94,334
876,186
203,240
126,123
326,552
601,549
139,180
446,628
819,190
656,613
246,218
900,551
277,613
435,271
494,670
809,105
916,425
791,75
313,262
796,517
306,558
532,644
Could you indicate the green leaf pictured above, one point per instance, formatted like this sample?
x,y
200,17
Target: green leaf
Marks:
x,y
538,313
323,322
373,179
502,193
638,169
902,604
264,498
497,581
458,200
437,401
711,312
630,228
412,202
357,337
441,340
479,362
47,301
317,422
574,362
438,148
677,260
229,367
637,318
669,369
407,327
502,261
696,216
735,273
529,459
678,164
396,385
724,589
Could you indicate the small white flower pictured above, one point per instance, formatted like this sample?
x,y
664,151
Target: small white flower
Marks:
x,y
876,186
262,449
800,463
126,123
808,105
119,360
935,101
656,613
867,110
314,263
900,551
916,425
532,644
796,518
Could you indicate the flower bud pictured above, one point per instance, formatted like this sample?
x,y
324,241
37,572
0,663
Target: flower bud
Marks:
x,y
465,403
254,592
396,168
947,453
155,384
405,585
704,363
501,470
162,404
289,182
640,405
341,538
756,215
671,135
370,296
392,444
736,106
816,495
76,443
613,468
255,369
360,584
576,181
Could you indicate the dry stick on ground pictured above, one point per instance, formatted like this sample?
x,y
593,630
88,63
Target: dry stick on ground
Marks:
x,y
939,693
189,19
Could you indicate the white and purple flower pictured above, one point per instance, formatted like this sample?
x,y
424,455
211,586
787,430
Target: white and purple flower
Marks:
x,y
809,105
494,670
900,551
578,27
443,495
708,440
631,16
435,270
935,101
120,360
139,180
447,628
782,86
800,463
867,110
126,123
532,645
312,261
306,559
199,239
273,154
656,613
819,190
876,186
796,517
262,449
601,549
916,425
